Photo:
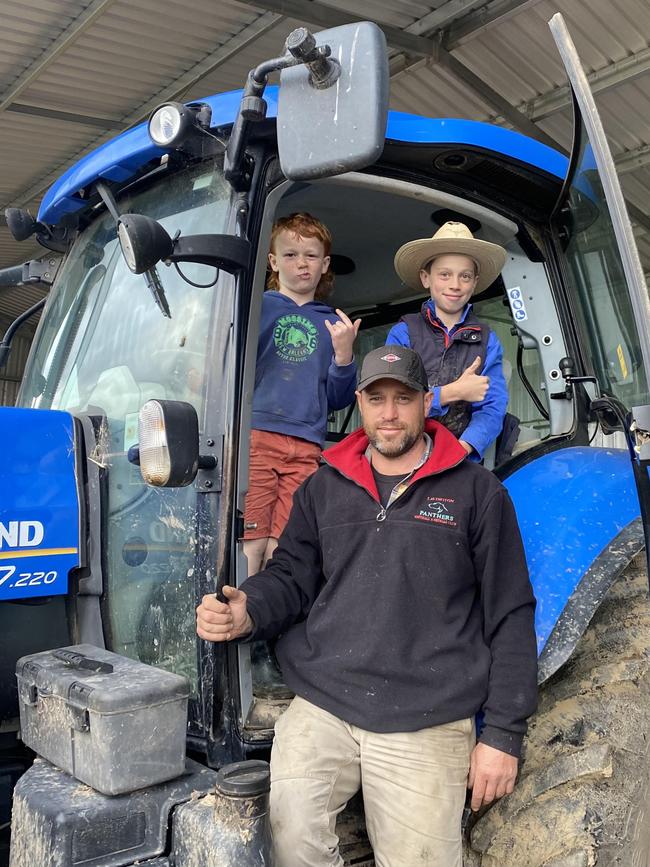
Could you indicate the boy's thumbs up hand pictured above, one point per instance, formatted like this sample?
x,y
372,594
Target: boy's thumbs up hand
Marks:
x,y
470,386
223,621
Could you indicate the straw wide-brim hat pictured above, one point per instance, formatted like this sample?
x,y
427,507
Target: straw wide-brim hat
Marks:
x,y
411,258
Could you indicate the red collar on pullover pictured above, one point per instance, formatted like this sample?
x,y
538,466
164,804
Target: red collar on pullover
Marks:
x,y
349,456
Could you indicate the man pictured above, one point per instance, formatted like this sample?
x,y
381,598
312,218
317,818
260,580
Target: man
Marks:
x,y
400,590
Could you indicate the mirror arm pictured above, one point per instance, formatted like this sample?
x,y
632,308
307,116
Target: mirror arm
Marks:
x,y
5,345
301,48
34,271
238,165
11,277
107,197
227,252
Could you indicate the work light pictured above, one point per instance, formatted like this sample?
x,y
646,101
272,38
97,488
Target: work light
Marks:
x,y
168,433
170,123
144,242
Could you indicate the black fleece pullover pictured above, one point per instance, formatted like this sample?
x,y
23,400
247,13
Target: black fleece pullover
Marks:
x,y
409,618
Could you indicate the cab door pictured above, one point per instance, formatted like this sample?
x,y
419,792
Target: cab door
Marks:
x,y
609,297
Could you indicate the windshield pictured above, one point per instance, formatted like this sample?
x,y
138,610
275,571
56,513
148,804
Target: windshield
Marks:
x,y
104,349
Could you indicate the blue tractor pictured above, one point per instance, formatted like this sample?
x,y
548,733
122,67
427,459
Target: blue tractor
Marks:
x,y
124,466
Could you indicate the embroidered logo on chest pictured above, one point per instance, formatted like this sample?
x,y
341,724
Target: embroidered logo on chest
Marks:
x,y
437,510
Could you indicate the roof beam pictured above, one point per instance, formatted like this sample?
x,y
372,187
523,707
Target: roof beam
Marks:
x,y
327,16
515,117
214,60
638,215
65,116
179,86
58,46
477,22
601,80
628,161
473,24
443,15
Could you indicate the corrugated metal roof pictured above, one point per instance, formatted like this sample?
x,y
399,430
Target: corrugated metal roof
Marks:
x,y
72,73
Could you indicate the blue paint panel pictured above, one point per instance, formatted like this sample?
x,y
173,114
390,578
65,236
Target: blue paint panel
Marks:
x,y
39,504
122,157
570,504
453,131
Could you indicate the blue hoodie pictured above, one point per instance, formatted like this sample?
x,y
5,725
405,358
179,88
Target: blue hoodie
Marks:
x,y
296,378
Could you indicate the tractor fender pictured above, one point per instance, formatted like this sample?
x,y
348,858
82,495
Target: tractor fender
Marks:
x,y
578,511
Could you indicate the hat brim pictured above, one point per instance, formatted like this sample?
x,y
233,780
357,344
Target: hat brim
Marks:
x,y
411,258
416,386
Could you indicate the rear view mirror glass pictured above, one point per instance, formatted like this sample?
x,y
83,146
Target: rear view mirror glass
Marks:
x,y
335,129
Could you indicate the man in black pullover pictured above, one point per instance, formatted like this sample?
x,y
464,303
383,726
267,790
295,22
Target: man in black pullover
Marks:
x,y
400,593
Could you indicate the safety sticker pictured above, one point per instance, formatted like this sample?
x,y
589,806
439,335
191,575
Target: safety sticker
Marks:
x,y
516,299
621,360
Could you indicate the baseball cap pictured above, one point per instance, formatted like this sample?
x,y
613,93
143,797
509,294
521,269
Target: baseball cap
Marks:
x,y
394,362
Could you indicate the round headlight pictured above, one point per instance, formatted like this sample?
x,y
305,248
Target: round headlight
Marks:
x,y
169,124
127,247
144,242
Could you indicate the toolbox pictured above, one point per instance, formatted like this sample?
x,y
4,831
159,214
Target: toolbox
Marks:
x,y
111,722
60,822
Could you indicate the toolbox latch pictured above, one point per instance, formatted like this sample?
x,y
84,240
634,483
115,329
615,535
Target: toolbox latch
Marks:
x,y
27,677
28,693
78,694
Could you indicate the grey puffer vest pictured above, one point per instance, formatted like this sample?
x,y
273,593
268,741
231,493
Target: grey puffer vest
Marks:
x,y
445,358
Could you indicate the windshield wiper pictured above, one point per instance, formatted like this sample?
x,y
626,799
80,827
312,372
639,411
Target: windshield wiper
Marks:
x,y
153,282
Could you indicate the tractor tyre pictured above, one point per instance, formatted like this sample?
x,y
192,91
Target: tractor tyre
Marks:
x,y
582,796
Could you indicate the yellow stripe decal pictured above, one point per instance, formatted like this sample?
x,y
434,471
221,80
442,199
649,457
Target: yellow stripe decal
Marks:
x,y
39,552
621,360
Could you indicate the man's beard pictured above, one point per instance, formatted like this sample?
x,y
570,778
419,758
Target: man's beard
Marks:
x,y
395,448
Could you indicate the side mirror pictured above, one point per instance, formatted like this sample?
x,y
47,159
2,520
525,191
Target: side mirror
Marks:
x,y
22,226
327,128
20,223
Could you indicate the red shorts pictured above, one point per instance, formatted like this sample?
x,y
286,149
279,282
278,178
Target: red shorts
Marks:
x,y
278,464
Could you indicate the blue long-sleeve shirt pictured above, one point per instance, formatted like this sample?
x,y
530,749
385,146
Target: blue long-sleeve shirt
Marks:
x,y
487,414
296,376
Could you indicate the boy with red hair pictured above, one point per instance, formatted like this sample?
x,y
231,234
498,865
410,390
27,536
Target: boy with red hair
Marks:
x,y
304,367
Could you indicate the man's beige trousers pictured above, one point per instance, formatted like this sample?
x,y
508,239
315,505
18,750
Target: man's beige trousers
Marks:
x,y
414,787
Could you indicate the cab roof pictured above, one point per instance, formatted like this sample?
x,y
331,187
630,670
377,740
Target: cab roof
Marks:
x,y
123,157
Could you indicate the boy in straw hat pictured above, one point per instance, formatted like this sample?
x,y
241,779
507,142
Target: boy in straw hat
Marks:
x,y
462,356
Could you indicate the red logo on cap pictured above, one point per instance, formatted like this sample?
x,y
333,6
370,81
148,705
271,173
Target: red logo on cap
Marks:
x,y
390,357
